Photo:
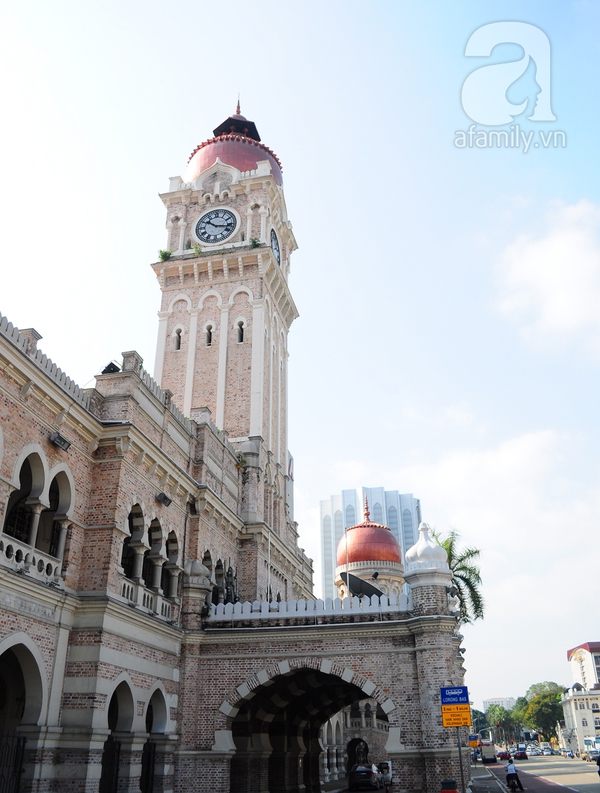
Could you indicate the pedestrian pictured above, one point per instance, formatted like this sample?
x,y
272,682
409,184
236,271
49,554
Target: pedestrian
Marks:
x,y
598,764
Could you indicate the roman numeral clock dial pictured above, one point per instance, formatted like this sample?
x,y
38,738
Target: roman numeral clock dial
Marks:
x,y
216,226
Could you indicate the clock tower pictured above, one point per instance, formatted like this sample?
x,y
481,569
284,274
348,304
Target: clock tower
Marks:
x,y
227,309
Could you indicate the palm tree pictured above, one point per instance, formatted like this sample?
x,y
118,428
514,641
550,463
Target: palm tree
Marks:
x,y
465,576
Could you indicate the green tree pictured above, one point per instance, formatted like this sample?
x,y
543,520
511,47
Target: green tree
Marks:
x,y
541,688
465,576
543,712
479,720
501,723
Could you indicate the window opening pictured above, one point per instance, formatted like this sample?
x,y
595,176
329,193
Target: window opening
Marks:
x,y
209,330
240,327
178,339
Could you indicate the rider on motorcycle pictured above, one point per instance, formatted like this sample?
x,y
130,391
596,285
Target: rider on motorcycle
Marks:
x,y
511,774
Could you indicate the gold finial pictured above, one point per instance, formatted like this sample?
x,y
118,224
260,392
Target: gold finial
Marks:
x,y
367,513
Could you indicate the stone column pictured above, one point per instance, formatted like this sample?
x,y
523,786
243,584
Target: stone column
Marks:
x,y
161,345
182,224
222,370
263,211
429,576
36,511
62,538
191,362
158,562
130,762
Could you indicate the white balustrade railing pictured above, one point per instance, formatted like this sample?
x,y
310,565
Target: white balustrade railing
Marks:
x,y
22,558
139,595
295,609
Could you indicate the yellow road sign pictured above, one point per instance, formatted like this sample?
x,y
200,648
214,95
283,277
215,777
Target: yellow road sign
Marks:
x,y
459,719
456,709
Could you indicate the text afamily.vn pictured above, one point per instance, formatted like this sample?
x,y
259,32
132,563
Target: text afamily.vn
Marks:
x,y
512,138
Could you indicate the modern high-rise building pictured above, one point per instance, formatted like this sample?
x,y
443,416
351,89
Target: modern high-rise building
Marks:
x,y
401,512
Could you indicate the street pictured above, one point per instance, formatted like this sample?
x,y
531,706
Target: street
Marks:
x,y
539,773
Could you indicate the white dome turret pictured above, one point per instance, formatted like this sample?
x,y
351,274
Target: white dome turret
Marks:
x,y
427,562
426,554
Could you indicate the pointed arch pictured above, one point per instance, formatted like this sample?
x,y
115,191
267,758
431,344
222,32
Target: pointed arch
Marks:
x,y
240,290
39,468
32,665
66,483
180,296
210,293
157,712
120,711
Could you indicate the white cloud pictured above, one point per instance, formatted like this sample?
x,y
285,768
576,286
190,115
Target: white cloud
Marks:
x,y
451,416
535,520
552,281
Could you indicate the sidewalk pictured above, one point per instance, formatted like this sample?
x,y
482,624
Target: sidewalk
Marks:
x,y
483,781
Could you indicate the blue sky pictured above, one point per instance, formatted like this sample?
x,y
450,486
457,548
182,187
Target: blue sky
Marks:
x,y
449,337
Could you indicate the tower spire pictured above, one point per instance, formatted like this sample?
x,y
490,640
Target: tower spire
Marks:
x,y
238,112
367,513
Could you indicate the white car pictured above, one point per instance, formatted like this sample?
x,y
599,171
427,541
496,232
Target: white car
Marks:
x,y
547,753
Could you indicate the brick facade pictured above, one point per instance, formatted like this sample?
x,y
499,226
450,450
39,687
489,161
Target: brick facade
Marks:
x,y
129,508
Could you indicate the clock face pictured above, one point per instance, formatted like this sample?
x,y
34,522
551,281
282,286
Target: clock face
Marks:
x,y
275,246
216,225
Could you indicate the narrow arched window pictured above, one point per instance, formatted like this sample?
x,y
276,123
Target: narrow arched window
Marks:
x,y
209,331
178,339
240,330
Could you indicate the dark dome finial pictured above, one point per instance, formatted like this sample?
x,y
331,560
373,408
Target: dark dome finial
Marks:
x,y
238,112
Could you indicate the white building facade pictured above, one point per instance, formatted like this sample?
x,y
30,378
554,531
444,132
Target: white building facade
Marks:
x,y
400,512
580,730
505,702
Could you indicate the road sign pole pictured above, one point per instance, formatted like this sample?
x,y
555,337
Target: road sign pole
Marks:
x,y
462,773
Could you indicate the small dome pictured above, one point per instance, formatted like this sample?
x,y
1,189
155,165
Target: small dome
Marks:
x,y
368,542
196,568
426,552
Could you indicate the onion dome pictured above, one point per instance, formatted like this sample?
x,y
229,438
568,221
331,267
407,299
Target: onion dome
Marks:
x,y
236,142
368,541
426,554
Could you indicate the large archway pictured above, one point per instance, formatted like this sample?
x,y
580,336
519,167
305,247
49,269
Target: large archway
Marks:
x,y
21,699
276,730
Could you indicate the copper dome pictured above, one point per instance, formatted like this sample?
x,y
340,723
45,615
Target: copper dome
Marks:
x,y
368,541
236,143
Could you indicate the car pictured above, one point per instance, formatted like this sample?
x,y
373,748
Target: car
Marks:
x,y
386,771
521,755
592,756
365,775
503,755
547,752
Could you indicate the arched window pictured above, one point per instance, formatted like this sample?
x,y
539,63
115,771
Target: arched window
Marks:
x,y
49,529
149,567
18,513
393,519
584,723
350,517
135,523
338,526
408,529
240,332
177,340
377,513
209,335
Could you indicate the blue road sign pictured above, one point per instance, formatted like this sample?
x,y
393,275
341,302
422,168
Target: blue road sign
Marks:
x,y
458,695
